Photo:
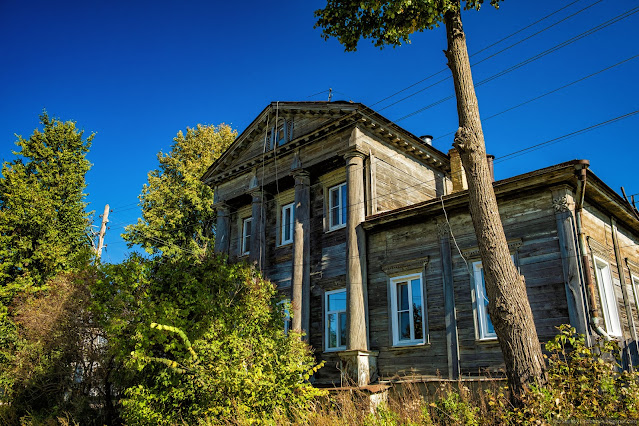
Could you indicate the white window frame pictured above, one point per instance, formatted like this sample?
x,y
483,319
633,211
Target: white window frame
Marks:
x,y
606,296
481,309
634,279
244,249
341,211
340,345
291,226
414,340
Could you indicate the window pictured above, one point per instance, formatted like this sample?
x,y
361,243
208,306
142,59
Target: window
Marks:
x,y
635,287
335,330
337,206
608,298
246,235
287,221
286,314
280,134
407,301
483,325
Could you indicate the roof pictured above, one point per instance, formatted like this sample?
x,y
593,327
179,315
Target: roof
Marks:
x,y
597,192
341,112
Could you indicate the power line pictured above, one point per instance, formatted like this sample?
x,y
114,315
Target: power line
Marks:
x,y
479,51
560,138
547,93
502,158
531,59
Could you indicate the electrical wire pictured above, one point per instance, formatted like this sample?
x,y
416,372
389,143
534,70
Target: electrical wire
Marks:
x,y
476,53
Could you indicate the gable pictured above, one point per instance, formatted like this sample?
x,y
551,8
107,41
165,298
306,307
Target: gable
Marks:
x,y
277,125
285,126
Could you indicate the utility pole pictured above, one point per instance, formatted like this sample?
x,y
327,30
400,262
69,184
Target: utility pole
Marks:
x,y
103,228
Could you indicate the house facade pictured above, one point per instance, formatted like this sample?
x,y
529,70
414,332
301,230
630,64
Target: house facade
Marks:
x,y
365,228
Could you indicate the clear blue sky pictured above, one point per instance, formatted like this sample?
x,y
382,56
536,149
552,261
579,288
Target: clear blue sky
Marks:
x,y
136,72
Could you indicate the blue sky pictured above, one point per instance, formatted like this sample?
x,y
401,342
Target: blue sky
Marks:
x,y
136,72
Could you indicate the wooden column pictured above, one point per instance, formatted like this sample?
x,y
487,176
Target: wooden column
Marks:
x,y
222,228
452,341
256,256
563,204
355,286
301,280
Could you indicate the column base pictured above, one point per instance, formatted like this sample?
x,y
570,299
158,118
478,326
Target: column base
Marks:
x,y
358,368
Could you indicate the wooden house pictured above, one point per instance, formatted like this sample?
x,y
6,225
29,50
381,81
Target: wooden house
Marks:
x,y
365,227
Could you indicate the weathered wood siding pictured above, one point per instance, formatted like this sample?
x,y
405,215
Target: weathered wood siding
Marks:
x,y
597,226
398,180
301,126
530,220
413,241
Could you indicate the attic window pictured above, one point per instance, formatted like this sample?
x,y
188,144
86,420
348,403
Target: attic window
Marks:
x,y
282,134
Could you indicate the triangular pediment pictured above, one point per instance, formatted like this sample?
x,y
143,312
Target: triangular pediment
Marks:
x,y
277,125
283,126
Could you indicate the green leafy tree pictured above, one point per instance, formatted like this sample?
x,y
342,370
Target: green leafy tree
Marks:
x,y
177,208
43,219
58,365
391,23
201,339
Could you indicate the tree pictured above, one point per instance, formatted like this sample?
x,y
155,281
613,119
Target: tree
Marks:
x,y
43,219
58,365
207,339
391,23
177,208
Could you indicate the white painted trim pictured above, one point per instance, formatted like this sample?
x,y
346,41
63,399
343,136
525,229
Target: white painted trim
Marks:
x,y
341,345
480,310
606,286
394,312
243,249
341,189
290,207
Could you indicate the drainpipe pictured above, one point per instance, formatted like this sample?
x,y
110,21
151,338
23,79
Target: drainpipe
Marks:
x,y
595,320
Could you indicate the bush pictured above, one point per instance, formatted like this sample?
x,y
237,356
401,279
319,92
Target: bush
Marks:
x,y
55,365
583,383
204,341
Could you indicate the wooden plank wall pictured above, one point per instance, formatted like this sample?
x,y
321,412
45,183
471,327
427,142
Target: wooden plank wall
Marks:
x,y
301,126
597,227
388,247
399,180
529,218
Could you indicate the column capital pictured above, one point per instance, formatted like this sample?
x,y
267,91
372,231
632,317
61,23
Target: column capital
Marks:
x,y
301,176
257,194
221,205
353,151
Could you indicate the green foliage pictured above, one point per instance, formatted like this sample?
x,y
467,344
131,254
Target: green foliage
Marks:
x,y
583,383
57,363
201,339
177,208
44,231
43,221
385,22
454,408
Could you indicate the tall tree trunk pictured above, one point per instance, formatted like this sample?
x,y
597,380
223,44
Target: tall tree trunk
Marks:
x,y
508,302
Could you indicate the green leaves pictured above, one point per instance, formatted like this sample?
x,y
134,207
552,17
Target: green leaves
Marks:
x,y
43,218
177,208
384,22
207,339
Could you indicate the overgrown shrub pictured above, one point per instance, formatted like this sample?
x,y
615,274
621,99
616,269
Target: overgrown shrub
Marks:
x,y
204,341
56,365
584,382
